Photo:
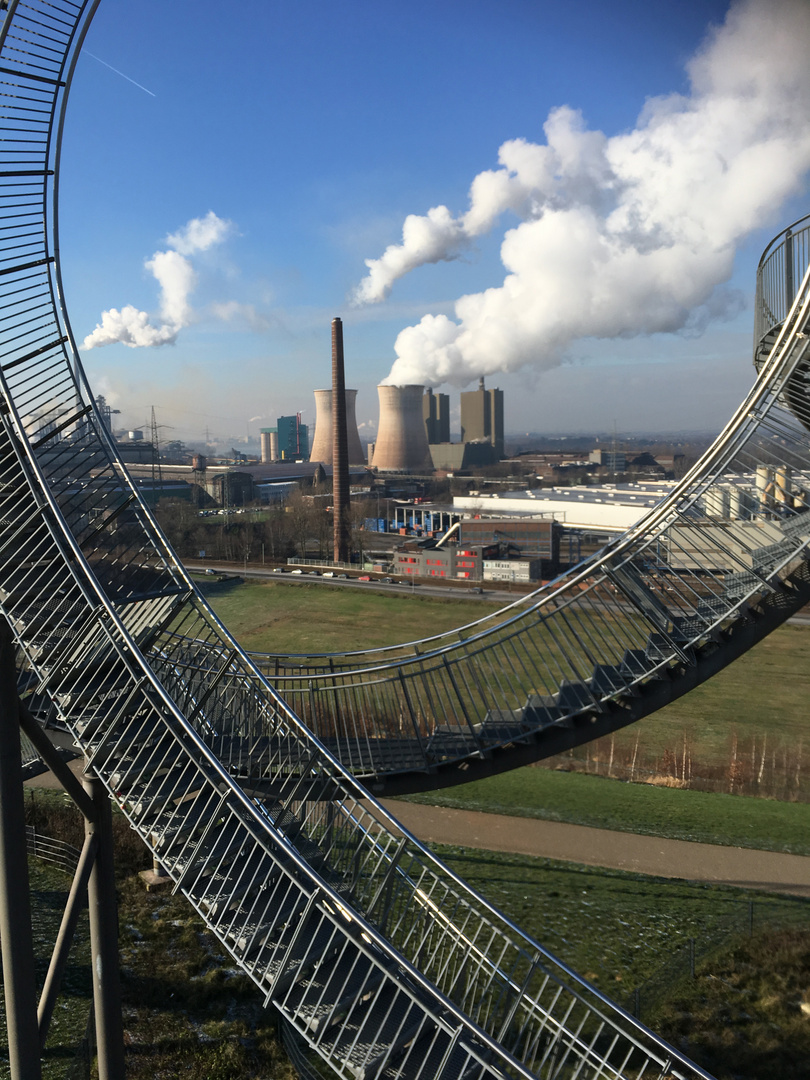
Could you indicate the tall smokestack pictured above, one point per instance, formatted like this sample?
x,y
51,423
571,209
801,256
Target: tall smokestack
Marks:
x,y
340,448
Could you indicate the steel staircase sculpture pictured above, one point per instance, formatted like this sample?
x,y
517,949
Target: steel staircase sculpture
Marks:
x,y
373,952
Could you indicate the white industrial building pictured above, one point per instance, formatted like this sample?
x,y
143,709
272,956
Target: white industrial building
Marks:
x,y
610,508
614,508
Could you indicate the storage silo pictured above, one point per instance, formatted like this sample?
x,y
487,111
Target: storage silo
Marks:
x,y
401,444
765,483
322,441
268,440
783,486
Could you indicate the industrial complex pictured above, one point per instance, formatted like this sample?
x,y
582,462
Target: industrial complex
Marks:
x,y
416,504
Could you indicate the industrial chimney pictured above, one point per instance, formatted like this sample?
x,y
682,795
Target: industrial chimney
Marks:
x,y
322,442
401,444
340,450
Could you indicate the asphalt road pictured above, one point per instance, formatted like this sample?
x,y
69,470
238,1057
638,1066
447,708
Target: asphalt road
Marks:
x,y
496,596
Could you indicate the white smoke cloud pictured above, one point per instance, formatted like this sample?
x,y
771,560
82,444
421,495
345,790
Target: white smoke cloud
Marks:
x,y
199,234
622,235
233,312
177,279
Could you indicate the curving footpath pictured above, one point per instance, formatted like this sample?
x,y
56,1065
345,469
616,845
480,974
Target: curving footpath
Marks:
x,y
746,868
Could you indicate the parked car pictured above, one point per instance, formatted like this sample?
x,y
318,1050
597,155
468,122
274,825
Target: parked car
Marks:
x,y
296,571
329,573
343,576
364,577
209,570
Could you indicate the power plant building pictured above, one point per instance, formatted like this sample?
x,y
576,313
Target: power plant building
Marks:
x,y
436,411
293,438
322,442
401,444
482,417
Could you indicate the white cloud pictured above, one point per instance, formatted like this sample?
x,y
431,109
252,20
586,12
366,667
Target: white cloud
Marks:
x,y
199,234
623,235
175,274
232,311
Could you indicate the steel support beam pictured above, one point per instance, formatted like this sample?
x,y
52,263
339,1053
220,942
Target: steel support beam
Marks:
x,y
104,937
64,939
16,935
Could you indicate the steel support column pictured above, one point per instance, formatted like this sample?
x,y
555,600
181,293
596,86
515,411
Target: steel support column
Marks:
x,y
16,936
104,937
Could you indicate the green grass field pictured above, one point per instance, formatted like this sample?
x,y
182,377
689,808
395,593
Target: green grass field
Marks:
x,y
762,695
615,928
761,698
640,808
319,618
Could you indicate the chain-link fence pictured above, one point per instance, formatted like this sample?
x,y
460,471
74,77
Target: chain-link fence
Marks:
x,y
746,919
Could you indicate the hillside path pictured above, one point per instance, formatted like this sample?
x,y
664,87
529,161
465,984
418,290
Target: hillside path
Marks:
x,y
744,867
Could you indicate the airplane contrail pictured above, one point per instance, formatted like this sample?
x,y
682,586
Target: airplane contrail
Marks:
x,y
117,72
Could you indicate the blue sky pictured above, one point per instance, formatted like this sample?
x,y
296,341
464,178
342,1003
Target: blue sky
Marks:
x,y
313,129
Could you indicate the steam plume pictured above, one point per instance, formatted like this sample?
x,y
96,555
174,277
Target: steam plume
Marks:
x,y
622,235
174,273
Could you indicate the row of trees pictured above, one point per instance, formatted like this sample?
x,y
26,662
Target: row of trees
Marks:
x,y
301,526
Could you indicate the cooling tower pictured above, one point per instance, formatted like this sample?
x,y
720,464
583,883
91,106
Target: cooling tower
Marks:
x,y
401,444
322,443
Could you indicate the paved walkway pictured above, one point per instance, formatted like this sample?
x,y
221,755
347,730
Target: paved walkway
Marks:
x,y
744,867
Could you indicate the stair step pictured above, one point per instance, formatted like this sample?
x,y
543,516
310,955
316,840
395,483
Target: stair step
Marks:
x,y
253,938
184,819
228,891
175,783
207,859
541,710
380,1034
149,759
609,679
344,988
634,662
574,696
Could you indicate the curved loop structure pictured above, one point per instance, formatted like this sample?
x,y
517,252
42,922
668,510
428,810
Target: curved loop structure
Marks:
x,y
377,956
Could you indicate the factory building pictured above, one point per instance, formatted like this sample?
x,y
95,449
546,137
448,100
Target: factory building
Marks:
x,y
293,438
520,571
275,492
401,444
608,509
230,488
537,539
462,457
482,417
426,519
322,442
456,562
615,460
436,411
